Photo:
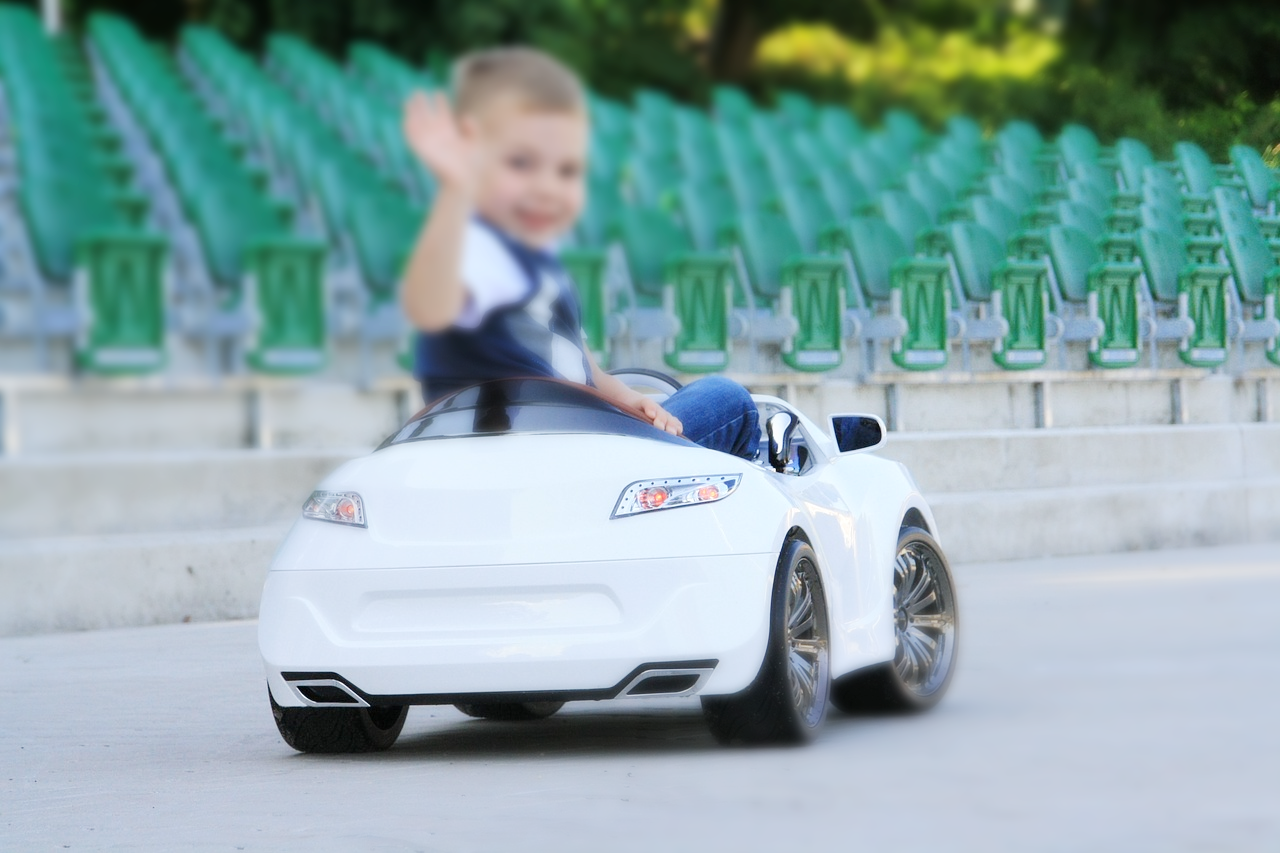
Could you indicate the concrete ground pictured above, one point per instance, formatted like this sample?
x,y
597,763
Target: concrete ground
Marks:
x,y
1122,703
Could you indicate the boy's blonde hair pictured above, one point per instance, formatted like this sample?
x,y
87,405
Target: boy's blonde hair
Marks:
x,y
538,80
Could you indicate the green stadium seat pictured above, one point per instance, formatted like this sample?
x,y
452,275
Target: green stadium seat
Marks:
x,y
1105,293
731,104
1015,292
1197,170
1133,158
843,193
799,111
840,129
603,206
915,291
588,269
934,196
806,290
907,216
904,129
995,216
695,289
285,293
1254,268
121,290
705,209
1196,295
1259,180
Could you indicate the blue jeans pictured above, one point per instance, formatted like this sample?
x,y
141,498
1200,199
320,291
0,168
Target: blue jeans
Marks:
x,y
718,414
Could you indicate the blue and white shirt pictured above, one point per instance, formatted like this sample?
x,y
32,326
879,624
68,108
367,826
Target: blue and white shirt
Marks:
x,y
521,318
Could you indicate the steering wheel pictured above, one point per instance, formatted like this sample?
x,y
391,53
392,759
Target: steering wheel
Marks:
x,y
642,378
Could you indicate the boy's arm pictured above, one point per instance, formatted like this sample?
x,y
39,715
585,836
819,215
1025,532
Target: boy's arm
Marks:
x,y
619,392
432,294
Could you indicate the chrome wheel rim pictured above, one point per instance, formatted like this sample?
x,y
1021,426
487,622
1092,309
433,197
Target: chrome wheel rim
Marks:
x,y
807,648
924,619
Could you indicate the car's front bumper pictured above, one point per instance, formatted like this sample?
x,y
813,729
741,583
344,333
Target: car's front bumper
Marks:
x,y
577,629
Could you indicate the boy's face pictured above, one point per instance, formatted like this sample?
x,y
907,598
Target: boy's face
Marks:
x,y
532,164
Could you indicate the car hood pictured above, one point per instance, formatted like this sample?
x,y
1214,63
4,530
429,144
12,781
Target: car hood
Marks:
x,y
511,499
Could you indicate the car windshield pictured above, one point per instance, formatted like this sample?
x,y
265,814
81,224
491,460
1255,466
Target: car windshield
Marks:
x,y
522,406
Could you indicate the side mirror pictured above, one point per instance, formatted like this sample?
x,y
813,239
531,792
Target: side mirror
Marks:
x,y
857,432
781,429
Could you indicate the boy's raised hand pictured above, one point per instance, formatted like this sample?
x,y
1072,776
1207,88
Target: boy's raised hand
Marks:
x,y
436,138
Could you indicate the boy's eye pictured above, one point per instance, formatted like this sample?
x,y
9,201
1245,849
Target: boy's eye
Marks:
x,y
570,170
520,163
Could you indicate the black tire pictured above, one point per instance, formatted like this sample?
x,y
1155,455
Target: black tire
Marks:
x,y
339,729
511,710
777,707
925,625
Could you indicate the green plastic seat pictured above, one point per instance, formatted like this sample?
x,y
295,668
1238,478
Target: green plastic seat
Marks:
x,y
588,270
1107,291
1198,173
1133,158
1197,292
840,129
731,104
1013,290
905,215
808,212
287,298
800,112
603,206
695,289
1251,257
121,289
705,209
1260,182
383,228
843,193
808,288
934,196
917,290
994,216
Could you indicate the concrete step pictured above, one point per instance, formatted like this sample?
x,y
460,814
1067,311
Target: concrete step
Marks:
x,y
89,494
1018,524
998,460
57,415
107,493
75,583
83,582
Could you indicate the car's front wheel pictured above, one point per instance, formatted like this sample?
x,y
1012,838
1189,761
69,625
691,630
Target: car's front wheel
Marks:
x,y
788,699
339,729
925,629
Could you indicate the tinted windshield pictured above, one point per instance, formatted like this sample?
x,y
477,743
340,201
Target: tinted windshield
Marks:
x,y
515,406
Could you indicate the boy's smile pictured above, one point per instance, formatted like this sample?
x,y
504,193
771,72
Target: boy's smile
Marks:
x,y
530,181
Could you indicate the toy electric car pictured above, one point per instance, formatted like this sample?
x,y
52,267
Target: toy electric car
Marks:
x,y
523,543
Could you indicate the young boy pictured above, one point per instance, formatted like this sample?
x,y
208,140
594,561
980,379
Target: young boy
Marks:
x,y
483,285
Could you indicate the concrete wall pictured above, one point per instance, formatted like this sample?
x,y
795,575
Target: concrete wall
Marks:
x,y
106,539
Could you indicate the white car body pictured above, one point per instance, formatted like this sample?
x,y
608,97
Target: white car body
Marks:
x,y
491,569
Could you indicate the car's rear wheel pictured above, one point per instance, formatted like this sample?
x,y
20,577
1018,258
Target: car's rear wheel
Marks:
x,y
510,710
787,702
925,629
339,729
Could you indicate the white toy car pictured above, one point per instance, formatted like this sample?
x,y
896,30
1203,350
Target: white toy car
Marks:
x,y
522,544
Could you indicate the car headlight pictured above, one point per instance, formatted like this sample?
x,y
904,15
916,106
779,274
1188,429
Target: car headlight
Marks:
x,y
652,495
338,507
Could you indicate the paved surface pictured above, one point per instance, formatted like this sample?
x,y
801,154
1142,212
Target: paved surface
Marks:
x,y
1121,703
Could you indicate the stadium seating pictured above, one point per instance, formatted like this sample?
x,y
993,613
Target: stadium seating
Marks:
x,y
269,203
102,278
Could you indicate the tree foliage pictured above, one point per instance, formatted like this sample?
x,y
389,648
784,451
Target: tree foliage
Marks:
x,y
1157,69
